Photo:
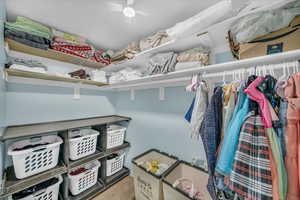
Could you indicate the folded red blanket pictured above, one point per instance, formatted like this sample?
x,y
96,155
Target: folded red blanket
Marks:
x,y
83,51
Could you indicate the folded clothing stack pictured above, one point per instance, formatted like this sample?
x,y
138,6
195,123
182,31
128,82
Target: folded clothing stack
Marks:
x,y
26,65
127,53
155,40
78,46
194,55
98,75
126,74
29,32
162,63
192,58
81,74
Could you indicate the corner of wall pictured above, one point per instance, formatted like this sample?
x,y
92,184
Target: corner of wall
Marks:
x,y
2,82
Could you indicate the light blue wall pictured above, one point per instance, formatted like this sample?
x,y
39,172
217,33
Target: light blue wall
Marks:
x,y
2,83
159,124
33,104
224,57
2,61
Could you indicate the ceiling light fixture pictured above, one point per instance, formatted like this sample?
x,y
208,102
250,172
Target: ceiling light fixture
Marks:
x,y
129,12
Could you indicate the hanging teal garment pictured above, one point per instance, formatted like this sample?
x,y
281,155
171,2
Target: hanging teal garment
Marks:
x,y
231,139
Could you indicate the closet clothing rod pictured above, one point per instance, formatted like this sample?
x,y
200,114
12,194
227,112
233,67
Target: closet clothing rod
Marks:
x,y
246,63
245,71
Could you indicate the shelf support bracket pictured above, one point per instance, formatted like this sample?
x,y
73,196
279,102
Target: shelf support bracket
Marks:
x,y
161,93
132,94
77,91
5,75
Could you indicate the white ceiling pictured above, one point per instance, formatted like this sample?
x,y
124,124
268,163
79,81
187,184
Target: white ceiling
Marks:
x,y
106,29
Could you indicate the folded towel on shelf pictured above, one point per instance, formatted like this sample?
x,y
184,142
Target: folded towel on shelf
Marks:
x,y
27,39
126,74
155,40
186,65
81,74
162,63
116,78
83,50
126,54
101,57
98,75
131,74
196,54
28,68
26,62
29,26
60,36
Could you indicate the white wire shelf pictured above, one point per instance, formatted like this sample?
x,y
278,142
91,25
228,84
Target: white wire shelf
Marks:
x,y
181,78
173,79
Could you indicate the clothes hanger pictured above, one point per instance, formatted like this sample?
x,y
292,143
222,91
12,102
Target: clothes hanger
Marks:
x,y
265,70
224,74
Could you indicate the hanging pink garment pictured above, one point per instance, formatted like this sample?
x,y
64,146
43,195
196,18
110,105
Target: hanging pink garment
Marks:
x,y
260,98
292,94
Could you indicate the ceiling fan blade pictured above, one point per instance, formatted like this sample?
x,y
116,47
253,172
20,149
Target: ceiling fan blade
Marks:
x,y
130,2
115,7
142,13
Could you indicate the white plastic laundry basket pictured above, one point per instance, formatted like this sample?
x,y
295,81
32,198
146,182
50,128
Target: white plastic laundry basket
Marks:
x,y
82,143
84,180
37,159
114,165
50,193
115,136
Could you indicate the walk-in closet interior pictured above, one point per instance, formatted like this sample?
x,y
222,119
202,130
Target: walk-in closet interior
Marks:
x,y
149,100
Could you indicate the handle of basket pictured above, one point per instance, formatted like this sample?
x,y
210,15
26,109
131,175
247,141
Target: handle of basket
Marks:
x,y
178,181
36,139
88,170
40,148
40,193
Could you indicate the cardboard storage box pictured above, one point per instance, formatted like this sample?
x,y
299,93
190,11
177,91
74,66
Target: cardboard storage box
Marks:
x,y
147,185
285,39
195,176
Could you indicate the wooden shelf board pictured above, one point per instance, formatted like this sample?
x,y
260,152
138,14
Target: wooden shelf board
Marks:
x,y
47,127
13,185
110,180
96,156
52,54
49,77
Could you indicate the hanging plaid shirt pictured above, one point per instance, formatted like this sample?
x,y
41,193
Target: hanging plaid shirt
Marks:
x,y
251,176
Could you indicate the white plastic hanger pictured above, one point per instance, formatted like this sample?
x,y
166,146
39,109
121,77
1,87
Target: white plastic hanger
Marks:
x,y
283,76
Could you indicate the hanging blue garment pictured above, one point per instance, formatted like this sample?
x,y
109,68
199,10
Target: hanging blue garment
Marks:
x,y
210,132
188,115
231,139
239,104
